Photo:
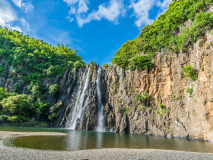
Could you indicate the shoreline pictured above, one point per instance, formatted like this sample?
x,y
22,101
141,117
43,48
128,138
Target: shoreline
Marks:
x,y
93,154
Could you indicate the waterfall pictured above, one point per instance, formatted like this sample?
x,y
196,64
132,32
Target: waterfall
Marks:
x,y
101,121
82,98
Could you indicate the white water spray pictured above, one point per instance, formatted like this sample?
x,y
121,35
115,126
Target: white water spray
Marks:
x,y
81,99
101,119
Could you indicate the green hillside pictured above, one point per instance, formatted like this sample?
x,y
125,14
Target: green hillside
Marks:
x,y
32,61
162,34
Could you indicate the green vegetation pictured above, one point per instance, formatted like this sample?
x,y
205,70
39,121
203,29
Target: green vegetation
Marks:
x,y
53,89
140,62
19,107
54,110
33,59
142,97
139,109
190,91
105,65
162,34
190,72
126,110
115,88
34,62
173,96
163,109
92,65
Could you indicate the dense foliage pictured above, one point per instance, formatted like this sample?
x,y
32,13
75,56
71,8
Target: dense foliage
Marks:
x,y
33,63
191,72
19,107
33,59
162,34
53,89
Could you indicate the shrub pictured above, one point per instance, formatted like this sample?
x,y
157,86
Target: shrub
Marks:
x,y
92,65
138,97
190,91
126,110
18,119
141,62
78,64
53,89
105,65
4,118
17,105
139,109
16,87
190,72
142,97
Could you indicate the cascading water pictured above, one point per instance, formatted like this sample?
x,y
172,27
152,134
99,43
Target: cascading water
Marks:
x,y
101,119
80,105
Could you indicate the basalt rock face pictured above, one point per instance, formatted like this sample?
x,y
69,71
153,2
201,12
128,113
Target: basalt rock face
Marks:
x,y
169,110
186,116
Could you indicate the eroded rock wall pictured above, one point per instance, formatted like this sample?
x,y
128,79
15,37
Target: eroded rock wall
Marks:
x,y
185,115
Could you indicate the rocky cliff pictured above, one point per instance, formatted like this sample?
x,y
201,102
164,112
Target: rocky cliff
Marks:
x,y
169,109
159,100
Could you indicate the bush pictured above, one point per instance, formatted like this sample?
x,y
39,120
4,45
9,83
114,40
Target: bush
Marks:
x,y
17,105
16,87
53,89
190,72
190,91
105,65
126,110
78,64
142,97
18,119
4,118
141,62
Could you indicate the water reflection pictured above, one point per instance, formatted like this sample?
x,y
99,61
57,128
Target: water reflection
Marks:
x,y
79,140
99,141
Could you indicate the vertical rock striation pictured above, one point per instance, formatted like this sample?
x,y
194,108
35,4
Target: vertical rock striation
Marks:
x,y
166,108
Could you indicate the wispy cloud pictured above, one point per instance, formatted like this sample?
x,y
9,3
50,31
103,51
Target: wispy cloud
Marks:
x,y
111,11
8,15
141,9
27,6
114,9
163,6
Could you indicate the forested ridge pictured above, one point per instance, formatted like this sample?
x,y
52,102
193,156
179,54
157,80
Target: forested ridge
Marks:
x,y
163,36
32,62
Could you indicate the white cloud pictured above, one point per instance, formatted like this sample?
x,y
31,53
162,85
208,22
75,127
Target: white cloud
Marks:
x,y
8,15
26,6
81,5
17,2
141,9
112,11
25,25
164,6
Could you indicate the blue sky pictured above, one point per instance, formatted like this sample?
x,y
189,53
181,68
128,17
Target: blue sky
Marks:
x,y
97,29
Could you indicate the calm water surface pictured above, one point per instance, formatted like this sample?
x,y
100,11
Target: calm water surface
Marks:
x,y
80,140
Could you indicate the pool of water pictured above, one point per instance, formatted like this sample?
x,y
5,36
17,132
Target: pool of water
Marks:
x,y
80,140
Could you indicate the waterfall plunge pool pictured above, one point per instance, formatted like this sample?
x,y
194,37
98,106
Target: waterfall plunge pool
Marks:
x,y
81,140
